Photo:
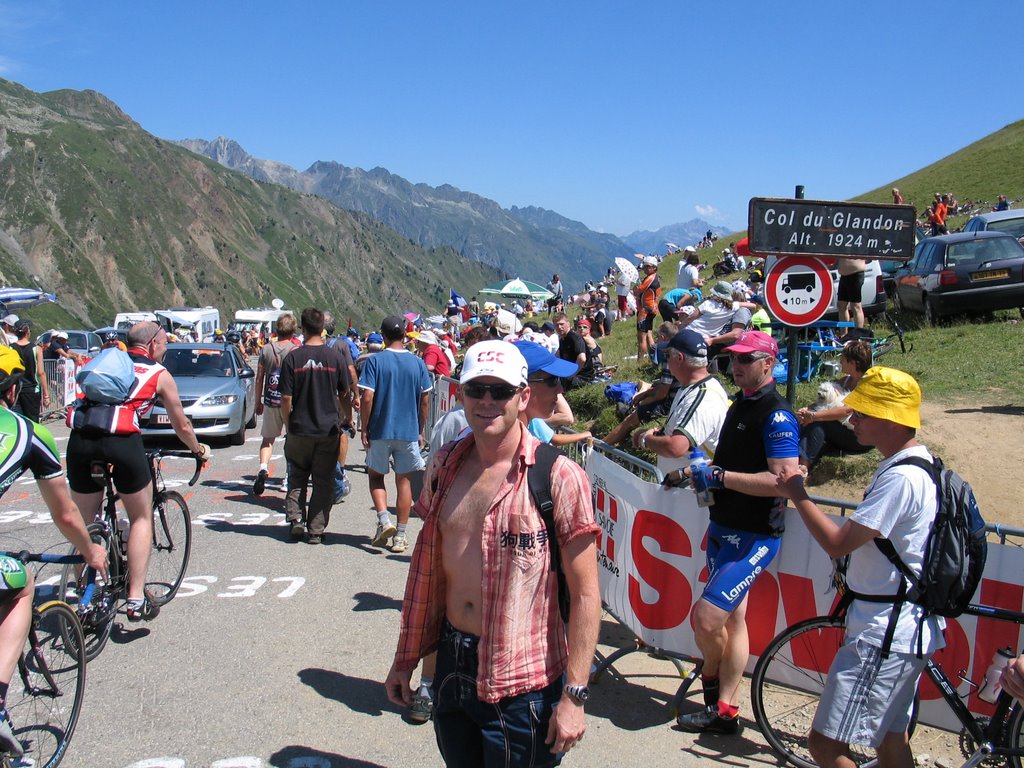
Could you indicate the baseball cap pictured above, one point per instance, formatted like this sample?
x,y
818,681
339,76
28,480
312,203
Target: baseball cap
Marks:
x,y
60,334
539,358
426,337
374,338
887,393
392,325
755,341
689,342
9,320
548,326
649,261
500,359
583,321
689,249
352,332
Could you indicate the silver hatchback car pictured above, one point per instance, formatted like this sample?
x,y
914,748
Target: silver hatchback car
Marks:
x,y
217,390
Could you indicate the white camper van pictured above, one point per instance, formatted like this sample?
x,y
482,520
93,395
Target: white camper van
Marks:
x,y
261,319
202,320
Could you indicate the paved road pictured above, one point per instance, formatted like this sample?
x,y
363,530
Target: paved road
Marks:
x,y
274,651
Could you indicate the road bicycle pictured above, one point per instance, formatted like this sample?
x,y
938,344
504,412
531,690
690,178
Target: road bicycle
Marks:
x,y
790,675
98,601
45,697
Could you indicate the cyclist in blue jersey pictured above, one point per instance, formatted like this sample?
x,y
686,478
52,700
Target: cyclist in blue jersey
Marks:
x,y
759,439
25,445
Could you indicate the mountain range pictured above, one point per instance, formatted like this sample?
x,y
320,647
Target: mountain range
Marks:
x,y
531,243
528,242
112,218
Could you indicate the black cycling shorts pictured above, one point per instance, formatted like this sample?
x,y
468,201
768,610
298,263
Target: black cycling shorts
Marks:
x,y
125,452
851,287
646,324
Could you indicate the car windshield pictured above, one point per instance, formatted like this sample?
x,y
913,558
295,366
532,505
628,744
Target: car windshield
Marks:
x,y
978,251
199,362
1013,227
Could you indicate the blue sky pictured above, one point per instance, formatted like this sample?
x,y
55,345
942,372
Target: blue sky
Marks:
x,y
622,115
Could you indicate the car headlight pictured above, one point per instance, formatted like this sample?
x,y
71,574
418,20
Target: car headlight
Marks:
x,y
217,400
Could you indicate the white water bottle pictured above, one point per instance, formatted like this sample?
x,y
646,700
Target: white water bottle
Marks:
x,y
122,531
990,688
697,463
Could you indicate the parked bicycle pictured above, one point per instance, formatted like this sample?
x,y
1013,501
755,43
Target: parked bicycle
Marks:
x,y
45,699
98,601
790,676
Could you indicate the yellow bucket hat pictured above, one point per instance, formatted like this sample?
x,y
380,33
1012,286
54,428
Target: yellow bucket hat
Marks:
x,y
887,393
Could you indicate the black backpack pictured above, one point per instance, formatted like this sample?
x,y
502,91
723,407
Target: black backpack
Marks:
x,y
954,555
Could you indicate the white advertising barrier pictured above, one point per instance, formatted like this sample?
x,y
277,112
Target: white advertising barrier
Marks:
x,y
652,570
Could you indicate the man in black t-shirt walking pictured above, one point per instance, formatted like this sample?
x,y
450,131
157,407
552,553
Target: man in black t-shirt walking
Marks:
x,y
315,386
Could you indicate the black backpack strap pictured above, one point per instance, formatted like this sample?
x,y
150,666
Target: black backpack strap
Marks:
x,y
886,547
538,479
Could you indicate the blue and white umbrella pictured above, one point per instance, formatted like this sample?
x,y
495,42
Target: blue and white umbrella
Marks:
x,y
19,298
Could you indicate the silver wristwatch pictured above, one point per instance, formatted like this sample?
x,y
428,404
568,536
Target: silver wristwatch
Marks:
x,y
578,693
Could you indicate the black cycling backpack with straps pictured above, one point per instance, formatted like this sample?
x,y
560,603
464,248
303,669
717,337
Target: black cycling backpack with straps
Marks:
x,y
954,555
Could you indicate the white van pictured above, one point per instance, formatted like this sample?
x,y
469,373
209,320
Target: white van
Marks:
x,y
261,319
873,293
203,320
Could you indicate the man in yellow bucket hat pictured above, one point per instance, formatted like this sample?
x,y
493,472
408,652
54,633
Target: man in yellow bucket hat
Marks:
x,y
869,694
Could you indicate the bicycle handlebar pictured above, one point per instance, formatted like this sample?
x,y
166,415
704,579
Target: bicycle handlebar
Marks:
x,y
180,455
42,557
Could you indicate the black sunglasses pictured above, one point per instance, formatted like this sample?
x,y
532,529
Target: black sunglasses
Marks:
x,y
477,390
748,358
551,381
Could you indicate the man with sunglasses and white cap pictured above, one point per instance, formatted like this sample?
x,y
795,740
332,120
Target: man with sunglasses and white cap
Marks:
x,y
759,439
869,695
480,590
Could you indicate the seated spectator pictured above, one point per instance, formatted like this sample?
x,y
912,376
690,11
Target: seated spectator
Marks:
x,y
674,300
650,402
718,319
827,423
1001,204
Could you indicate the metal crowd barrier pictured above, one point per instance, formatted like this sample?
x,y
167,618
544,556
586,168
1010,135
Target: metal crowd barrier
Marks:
x,y
58,384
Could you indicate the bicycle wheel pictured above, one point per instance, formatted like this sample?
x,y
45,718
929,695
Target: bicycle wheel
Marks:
x,y
45,703
172,545
98,619
787,685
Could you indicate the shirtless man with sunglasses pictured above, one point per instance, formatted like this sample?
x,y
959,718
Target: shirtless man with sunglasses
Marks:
x,y
500,625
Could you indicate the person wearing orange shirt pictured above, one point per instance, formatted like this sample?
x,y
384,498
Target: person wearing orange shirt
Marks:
x,y
647,292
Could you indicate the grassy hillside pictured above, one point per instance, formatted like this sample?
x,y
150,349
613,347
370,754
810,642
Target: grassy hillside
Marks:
x,y
112,219
979,172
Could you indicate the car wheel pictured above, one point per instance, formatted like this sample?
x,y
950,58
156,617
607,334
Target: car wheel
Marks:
x,y
930,314
251,423
238,438
897,302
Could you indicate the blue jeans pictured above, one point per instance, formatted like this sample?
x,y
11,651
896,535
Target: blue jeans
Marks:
x,y
471,733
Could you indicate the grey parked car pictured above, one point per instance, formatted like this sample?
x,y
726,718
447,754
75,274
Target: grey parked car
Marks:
x,y
1011,222
217,390
967,272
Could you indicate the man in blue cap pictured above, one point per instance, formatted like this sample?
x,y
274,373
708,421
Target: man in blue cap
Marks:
x,y
544,377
